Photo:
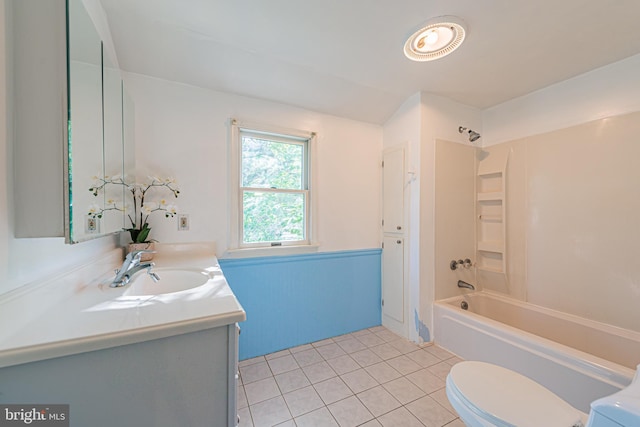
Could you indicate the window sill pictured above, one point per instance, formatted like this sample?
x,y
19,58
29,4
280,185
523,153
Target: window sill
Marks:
x,y
270,251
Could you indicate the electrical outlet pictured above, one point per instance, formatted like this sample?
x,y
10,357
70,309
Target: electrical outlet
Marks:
x,y
92,225
183,222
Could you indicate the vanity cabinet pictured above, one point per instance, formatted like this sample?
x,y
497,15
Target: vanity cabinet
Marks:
x,y
183,380
66,98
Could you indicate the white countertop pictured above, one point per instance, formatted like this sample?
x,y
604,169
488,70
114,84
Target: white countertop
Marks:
x,y
79,312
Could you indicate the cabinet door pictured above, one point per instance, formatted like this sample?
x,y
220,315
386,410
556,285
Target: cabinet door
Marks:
x,y
393,278
393,191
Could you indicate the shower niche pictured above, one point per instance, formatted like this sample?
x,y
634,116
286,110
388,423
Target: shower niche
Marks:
x,y
491,216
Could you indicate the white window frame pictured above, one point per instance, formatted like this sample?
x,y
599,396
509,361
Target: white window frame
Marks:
x,y
235,246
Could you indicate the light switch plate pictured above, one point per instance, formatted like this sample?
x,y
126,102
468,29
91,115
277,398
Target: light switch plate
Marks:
x,y
183,222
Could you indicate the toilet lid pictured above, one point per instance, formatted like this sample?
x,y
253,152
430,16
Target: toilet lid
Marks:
x,y
507,398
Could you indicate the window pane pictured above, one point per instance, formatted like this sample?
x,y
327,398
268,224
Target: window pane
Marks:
x,y
271,164
273,217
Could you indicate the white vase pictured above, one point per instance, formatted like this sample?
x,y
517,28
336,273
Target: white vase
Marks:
x,y
149,246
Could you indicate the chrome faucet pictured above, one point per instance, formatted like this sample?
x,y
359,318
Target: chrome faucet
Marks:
x,y
131,266
463,284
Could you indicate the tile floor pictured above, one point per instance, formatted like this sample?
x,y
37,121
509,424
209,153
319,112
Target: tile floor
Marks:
x,y
367,378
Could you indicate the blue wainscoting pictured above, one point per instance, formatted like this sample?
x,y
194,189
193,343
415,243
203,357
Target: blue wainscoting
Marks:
x,y
298,299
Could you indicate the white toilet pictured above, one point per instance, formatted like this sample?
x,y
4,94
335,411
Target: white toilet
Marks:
x,y
487,395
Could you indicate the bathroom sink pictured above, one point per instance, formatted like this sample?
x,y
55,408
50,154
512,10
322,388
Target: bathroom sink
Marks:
x,y
170,280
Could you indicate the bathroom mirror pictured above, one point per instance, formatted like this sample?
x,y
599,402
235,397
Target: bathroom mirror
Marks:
x,y
96,131
85,120
112,102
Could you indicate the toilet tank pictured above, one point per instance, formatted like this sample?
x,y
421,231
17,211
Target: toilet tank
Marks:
x,y
619,409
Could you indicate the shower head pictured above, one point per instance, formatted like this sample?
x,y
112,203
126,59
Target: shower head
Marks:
x,y
473,135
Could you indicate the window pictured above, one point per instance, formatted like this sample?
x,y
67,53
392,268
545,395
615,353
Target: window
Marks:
x,y
272,187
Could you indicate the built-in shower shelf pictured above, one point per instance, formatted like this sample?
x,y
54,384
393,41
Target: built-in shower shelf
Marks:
x,y
491,174
490,196
489,269
490,218
491,215
491,246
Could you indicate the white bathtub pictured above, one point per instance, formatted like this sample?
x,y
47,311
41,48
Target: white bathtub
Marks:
x,y
578,359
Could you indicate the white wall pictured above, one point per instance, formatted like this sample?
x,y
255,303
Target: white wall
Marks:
x,y
25,260
182,131
454,216
607,91
573,147
441,119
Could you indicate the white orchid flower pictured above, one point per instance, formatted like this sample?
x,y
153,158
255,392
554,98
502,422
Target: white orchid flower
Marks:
x,y
149,207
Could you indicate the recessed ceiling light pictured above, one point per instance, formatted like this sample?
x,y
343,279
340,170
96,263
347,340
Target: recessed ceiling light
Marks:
x,y
439,37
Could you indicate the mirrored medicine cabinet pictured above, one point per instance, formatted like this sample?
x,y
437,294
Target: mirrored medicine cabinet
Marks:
x,y
73,123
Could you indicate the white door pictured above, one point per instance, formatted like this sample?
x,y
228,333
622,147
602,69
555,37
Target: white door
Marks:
x,y
393,191
393,278
393,298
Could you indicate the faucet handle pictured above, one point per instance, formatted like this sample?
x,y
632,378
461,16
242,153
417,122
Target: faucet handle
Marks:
x,y
136,255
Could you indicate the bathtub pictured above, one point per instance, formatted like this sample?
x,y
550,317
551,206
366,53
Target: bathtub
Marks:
x,y
578,359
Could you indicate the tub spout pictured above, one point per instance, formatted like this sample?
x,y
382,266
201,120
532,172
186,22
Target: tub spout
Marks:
x,y
463,284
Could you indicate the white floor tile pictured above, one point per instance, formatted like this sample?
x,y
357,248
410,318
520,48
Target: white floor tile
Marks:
x,y
400,417
440,370
359,380
303,401
319,372
331,351
365,357
370,340
382,372
378,401
440,396
292,380
351,345
251,361
429,412
277,354
245,417
308,357
386,351
350,412
423,358
404,346
259,391
343,364
332,390
439,352
300,348
404,390
318,418
426,381
270,412
404,365
255,372
387,335
242,398
283,364
323,342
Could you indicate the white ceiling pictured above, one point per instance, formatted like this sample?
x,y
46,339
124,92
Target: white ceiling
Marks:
x,y
344,57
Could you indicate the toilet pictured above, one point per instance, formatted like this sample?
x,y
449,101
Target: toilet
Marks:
x,y
486,395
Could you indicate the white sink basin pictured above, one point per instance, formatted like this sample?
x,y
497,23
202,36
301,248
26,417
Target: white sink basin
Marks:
x,y
171,280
